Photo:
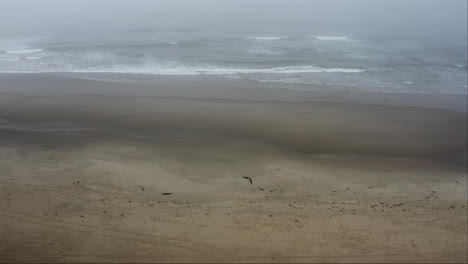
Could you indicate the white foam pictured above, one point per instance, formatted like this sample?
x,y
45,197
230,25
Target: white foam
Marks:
x,y
262,51
186,70
34,58
23,51
332,38
268,38
310,69
285,80
174,68
409,82
189,70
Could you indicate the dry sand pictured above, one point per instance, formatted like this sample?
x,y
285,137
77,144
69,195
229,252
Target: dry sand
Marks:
x,y
331,182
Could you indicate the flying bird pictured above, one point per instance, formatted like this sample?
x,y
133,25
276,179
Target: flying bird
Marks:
x,y
248,178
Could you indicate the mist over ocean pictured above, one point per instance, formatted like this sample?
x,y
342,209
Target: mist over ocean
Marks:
x,y
392,46
385,64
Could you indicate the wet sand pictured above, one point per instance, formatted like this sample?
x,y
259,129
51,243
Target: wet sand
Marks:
x,y
100,178
209,87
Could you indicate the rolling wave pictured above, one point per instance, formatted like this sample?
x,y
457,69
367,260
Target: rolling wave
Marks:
x,y
23,51
263,51
268,38
333,38
158,69
34,57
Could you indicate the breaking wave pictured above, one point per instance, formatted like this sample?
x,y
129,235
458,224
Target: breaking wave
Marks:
x,y
268,38
209,70
333,38
23,51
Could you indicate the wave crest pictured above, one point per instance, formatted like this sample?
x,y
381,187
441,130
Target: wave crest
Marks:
x,y
332,38
213,70
23,51
268,38
262,51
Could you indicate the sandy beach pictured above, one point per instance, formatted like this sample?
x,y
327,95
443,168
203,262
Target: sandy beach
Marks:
x,y
233,131
108,178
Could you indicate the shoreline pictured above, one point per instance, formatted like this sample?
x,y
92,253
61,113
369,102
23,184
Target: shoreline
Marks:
x,y
214,88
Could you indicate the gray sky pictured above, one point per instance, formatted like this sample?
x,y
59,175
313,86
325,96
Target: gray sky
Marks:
x,y
444,18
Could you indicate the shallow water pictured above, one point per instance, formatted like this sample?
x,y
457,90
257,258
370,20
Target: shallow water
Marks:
x,y
351,63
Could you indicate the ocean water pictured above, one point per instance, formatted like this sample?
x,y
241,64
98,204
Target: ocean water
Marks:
x,y
315,61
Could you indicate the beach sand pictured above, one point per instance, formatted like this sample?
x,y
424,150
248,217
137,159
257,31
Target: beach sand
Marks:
x,y
106,178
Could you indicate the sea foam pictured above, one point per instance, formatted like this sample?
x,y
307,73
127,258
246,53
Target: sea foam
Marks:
x,y
213,70
268,38
23,51
34,58
180,69
332,38
262,51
